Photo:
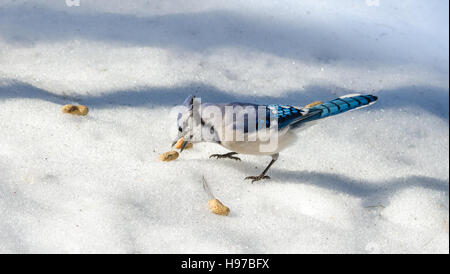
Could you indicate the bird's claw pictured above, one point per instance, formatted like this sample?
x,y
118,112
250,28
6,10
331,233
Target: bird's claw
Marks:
x,y
227,155
257,178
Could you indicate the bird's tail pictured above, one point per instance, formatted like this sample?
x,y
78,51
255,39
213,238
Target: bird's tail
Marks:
x,y
343,104
333,107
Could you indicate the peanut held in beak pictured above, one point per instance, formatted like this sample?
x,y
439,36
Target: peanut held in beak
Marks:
x,y
218,208
179,144
168,156
75,110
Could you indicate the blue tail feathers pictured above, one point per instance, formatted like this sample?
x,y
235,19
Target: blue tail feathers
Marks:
x,y
296,117
343,104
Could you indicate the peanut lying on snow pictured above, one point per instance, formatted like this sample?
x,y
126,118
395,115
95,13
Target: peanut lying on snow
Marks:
x,y
218,208
310,105
168,156
75,110
215,205
180,143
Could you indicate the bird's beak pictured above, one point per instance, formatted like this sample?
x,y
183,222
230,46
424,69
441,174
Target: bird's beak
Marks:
x,y
183,145
174,143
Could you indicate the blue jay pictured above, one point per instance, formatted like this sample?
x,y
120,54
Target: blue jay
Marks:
x,y
285,119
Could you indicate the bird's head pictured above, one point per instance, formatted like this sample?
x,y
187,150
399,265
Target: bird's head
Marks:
x,y
185,123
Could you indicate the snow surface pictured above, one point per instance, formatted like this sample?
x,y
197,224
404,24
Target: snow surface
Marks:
x,y
369,181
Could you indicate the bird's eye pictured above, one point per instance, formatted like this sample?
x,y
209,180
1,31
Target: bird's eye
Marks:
x,y
180,129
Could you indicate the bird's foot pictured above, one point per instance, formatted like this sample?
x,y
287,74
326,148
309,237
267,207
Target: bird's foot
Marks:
x,y
226,155
257,178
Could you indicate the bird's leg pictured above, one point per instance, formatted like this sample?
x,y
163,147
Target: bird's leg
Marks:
x,y
263,174
226,155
